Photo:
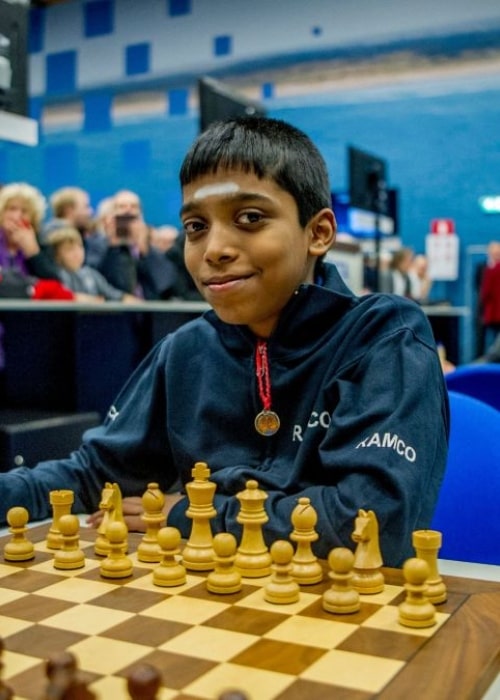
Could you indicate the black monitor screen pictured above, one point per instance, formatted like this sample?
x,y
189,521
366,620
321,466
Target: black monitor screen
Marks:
x,y
13,57
217,102
367,181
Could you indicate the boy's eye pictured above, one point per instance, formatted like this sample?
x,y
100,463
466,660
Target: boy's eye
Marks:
x,y
250,217
193,227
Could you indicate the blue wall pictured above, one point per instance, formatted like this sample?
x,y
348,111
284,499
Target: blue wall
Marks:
x,y
439,135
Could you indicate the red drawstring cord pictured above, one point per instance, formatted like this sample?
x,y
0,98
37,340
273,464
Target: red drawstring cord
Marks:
x,y
263,376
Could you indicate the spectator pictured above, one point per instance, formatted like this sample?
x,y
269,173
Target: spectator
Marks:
x,y
69,254
71,207
22,209
131,263
490,293
420,282
163,237
396,279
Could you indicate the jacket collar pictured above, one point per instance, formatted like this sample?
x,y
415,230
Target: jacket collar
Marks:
x,y
311,310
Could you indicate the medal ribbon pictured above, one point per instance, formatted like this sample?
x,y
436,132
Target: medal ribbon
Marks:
x,y
263,376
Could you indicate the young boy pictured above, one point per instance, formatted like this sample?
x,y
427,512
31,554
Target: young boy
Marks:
x,y
290,380
69,256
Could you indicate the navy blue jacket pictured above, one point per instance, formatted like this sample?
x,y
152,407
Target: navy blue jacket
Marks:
x,y
360,393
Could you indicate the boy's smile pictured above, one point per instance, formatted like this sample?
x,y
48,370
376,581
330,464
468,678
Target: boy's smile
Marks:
x,y
245,247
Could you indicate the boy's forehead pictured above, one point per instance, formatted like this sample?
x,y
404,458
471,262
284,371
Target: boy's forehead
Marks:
x,y
225,183
216,188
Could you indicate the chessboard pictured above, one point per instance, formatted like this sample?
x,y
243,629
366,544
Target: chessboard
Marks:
x,y
205,644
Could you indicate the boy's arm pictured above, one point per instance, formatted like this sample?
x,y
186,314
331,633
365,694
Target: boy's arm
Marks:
x,y
127,448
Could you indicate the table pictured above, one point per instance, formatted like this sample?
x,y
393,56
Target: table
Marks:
x,y
452,326
74,357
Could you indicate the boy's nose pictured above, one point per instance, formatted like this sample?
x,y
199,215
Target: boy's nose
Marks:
x,y
220,244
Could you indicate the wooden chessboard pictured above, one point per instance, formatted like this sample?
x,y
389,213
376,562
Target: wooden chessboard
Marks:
x,y
205,643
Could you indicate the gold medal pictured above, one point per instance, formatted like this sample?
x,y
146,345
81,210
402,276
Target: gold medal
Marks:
x,y
267,423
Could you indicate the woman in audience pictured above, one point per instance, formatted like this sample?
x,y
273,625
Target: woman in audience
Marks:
x,y
22,208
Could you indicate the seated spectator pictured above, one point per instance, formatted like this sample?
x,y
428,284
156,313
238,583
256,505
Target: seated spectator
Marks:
x,y
421,283
131,263
69,255
397,279
22,209
71,207
163,237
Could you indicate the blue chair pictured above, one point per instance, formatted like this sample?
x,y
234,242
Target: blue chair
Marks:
x,y
482,381
468,508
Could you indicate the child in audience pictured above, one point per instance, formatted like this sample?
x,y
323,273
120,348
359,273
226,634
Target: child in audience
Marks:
x,y
69,256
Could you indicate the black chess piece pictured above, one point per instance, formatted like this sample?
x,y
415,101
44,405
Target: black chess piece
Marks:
x,y
143,682
6,693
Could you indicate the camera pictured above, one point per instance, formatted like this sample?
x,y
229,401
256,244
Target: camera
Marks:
x,y
122,225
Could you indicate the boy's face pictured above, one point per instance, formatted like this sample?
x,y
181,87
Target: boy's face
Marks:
x,y
70,255
245,247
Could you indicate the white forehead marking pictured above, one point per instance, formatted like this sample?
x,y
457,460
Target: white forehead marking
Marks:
x,y
218,188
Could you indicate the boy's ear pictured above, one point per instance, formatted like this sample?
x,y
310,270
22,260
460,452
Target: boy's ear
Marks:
x,y
323,229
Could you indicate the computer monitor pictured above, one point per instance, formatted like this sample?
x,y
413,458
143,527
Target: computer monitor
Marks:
x,y
361,223
14,57
218,102
367,181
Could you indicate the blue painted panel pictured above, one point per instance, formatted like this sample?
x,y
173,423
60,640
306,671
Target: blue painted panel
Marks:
x,y
97,111
36,30
137,59
136,155
61,72
4,159
98,18
178,101
178,7
268,90
35,105
223,45
60,164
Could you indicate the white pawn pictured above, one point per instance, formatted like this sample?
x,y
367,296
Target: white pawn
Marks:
x,y
282,589
19,548
169,572
226,578
70,556
342,597
416,610
117,564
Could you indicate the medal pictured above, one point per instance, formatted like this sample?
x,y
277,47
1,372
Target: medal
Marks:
x,y
267,421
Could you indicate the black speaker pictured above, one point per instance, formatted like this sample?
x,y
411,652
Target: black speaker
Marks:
x,y
29,437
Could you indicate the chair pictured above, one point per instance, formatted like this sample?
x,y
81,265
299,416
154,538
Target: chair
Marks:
x,y
467,511
482,381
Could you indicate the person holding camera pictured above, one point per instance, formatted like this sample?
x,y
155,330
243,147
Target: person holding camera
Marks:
x,y
131,263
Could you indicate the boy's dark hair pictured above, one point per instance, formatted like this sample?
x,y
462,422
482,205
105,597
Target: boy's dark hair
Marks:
x,y
270,148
